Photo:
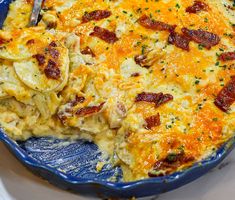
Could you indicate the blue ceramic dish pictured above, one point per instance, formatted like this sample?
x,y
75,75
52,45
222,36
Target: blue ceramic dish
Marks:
x,y
72,165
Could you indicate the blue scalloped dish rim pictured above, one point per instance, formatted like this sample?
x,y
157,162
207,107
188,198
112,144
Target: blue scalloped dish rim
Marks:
x,y
71,165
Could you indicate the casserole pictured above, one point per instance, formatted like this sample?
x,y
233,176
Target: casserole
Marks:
x,y
154,107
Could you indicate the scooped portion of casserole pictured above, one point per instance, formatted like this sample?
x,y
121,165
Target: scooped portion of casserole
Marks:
x,y
152,83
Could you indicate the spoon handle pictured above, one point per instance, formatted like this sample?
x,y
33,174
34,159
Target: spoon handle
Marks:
x,y
35,12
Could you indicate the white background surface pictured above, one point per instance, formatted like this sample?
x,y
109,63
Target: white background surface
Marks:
x,y
16,183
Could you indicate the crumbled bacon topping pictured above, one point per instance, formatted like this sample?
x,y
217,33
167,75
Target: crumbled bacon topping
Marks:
x,y
95,15
104,34
149,23
68,110
157,98
51,70
89,110
54,53
148,97
62,116
141,60
170,164
179,40
78,99
227,56
163,98
204,38
3,41
197,7
53,44
136,74
152,121
30,42
40,58
226,96
88,51
51,25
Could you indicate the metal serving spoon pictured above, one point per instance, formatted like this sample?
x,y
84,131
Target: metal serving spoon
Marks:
x,y
37,5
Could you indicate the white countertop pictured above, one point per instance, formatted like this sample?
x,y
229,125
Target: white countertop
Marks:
x,y
16,183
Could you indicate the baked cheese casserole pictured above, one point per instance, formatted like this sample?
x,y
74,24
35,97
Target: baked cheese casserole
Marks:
x,y
151,82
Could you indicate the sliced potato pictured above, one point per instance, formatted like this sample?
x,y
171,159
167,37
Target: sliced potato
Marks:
x,y
14,45
17,53
47,104
10,85
31,74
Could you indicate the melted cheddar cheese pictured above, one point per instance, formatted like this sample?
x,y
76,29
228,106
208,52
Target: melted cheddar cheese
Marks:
x,y
63,78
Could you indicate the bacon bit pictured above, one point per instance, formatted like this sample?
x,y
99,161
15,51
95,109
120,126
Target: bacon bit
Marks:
x,y
179,41
51,25
227,56
40,58
104,34
88,51
2,41
149,23
205,38
53,44
152,121
30,42
157,98
89,110
170,164
51,70
95,15
54,53
62,117
197,7
140,60
78,99
226,96
68,111
136,74
163,98
148,97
